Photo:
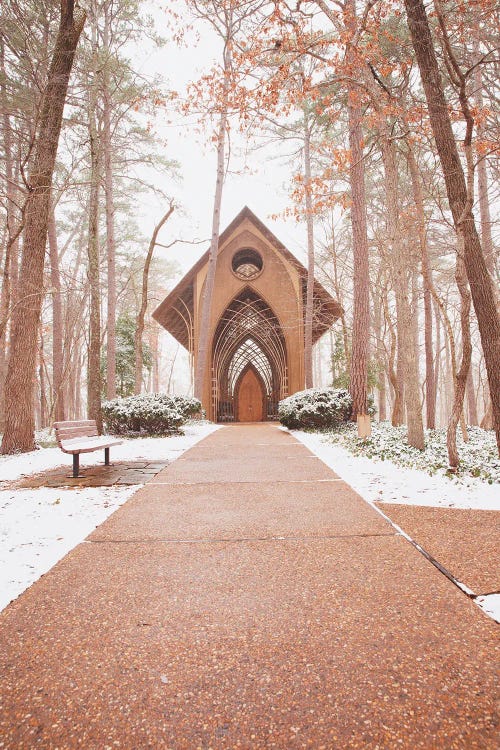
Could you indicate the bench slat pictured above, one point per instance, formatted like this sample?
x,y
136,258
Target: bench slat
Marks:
x,y
74,432
88,446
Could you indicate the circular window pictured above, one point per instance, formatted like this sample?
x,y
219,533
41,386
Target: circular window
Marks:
x,y
247,264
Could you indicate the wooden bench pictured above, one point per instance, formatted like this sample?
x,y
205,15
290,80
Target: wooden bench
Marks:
x,y
82,437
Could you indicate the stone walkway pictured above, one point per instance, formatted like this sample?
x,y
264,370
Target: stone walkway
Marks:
x,y
246,597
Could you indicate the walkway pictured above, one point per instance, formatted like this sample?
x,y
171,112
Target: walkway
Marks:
x,y
246,598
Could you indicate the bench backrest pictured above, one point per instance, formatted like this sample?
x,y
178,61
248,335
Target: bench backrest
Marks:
x,y
77,429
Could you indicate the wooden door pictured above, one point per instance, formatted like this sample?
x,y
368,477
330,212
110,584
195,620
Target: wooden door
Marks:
x,y
250,398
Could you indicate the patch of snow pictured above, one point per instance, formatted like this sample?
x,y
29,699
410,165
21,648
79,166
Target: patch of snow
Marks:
x,y
490,604
133,449
39,526
384,481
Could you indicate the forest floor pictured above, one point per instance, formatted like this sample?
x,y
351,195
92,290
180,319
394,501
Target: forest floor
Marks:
x,y
39,526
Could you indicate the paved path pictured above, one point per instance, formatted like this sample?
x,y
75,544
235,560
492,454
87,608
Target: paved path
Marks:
x,y
246,598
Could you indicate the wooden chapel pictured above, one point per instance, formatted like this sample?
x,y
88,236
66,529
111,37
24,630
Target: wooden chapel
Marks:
x,y
257,322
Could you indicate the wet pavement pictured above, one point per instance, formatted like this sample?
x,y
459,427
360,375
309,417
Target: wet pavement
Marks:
x,y
119,472
247,598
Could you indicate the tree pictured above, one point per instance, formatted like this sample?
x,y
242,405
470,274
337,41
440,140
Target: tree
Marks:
x,y
19,414
139,329
459,192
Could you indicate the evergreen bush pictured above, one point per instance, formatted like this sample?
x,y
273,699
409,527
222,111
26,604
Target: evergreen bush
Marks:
x,y
150,414
317,408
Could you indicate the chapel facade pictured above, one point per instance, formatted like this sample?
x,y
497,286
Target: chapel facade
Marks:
x,y
256,341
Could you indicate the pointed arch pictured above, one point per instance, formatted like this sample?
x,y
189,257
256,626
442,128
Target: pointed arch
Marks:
x,y
248,333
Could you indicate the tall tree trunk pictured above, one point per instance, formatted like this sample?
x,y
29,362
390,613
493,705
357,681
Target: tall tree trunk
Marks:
x,y
11,234
19,385
339,296
461,375
482,180
206,302
437,358
110,219
358,376
397,406
401,279
94,350
471,399
44,408
430,381
308,327
377,321
155,351
139,329
459,199
58,411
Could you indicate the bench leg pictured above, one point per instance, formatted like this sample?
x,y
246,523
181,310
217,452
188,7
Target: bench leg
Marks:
x,y
106,456
76,465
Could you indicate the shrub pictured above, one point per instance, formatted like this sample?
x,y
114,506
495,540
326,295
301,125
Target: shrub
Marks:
x,y
151,414
317,408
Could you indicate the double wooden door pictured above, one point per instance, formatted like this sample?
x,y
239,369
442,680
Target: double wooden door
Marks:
x,y
250,398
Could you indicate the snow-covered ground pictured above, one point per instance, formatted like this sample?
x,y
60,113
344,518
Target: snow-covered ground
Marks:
x,y
383,481
38,527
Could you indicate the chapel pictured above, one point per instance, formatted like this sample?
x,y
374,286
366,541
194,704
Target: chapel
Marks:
x,y
256,337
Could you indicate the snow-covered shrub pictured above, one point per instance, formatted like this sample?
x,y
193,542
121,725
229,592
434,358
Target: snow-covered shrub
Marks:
x,y
151,413
317,408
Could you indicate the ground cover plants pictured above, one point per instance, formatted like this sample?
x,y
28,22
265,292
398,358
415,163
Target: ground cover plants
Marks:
x,y
478,456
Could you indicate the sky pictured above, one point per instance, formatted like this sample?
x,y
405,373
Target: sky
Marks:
x,y
258,179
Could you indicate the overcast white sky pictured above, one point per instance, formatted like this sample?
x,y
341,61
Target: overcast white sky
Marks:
x,y
263,186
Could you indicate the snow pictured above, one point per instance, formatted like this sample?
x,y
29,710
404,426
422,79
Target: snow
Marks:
x,y
384,481
38,527
491,605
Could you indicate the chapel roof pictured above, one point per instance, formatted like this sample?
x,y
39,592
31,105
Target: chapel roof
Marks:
x,y
178,304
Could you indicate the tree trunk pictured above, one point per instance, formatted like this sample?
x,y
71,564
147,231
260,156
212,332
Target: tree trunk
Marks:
x,y
471,399
58,410
358,380
94,350
401,279
308,320
461,376
459,200
430,381
437,358
110,221
44,409
19,416
206,302
139,329
482,180
397,406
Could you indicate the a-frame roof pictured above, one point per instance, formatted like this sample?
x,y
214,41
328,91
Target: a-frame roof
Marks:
x,y
167,313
